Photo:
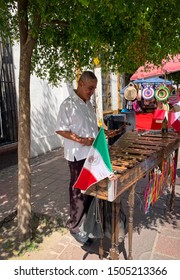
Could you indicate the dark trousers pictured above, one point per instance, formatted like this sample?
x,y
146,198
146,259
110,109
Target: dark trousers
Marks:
x,y
79,203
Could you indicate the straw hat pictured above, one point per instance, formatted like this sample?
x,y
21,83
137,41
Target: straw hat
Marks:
x,y
148,93
162,93
130,92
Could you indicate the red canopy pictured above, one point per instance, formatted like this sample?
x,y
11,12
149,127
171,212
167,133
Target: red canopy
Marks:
x,y
151,70
173,65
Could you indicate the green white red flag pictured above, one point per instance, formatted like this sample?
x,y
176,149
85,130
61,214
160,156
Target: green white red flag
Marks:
x,y
97,165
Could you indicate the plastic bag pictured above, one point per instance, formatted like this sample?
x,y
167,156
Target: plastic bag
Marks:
x,y
92,224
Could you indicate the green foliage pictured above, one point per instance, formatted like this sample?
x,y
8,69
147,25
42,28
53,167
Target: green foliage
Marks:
x,y
122,34
175,77
8,20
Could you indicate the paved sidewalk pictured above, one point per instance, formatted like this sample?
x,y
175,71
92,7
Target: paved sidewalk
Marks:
x,y
156,235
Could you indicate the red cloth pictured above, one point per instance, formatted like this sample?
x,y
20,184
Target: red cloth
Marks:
x,y
158,117
144,121
147,121
173,120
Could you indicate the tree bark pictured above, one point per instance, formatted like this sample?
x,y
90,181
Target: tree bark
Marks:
x,y
27,44
24,171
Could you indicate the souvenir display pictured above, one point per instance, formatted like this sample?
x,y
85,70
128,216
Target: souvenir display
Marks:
x,y
146,97
129,105
130,92
136,106
148,92
139,95
162,93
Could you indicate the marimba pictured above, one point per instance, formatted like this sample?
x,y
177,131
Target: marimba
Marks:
x,y
132,156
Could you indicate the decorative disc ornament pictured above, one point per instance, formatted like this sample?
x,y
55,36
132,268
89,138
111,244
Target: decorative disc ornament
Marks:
x,y
162,93
130,92
148,93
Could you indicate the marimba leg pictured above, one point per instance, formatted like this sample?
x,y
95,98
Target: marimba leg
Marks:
x,y
117,205
112,252
101,248
130,223
173,184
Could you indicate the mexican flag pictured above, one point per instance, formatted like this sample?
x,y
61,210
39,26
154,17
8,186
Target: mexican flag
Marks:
x,y
97,165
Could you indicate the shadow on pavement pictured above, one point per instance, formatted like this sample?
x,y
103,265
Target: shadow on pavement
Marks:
x,y
8,159
42,225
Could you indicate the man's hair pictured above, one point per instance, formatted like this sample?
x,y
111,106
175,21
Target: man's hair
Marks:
x,y
87,75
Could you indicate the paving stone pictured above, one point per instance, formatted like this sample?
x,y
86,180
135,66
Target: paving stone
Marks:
x,y
168,246
162,257
72,252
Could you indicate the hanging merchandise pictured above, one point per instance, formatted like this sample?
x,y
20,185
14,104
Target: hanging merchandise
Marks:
x,y
129,105
130,92
166,106
156,185
139,95
148,92
162,93
136,106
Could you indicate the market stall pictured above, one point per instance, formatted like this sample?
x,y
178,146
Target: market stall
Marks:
x,y
147,96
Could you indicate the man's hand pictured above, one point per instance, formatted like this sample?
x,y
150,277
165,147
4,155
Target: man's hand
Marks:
x,y
72,136
86,141
112,133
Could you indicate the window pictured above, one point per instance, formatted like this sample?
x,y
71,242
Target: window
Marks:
x,y
8,104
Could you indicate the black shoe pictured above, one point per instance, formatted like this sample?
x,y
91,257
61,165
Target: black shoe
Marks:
x,y
81,237
89,242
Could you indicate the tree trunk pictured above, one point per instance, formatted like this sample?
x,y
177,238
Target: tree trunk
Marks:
x,y
27,44
24,170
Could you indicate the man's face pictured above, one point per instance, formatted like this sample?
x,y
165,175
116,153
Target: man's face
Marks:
x,y
86,89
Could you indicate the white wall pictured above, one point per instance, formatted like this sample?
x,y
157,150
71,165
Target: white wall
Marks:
x,y
45,102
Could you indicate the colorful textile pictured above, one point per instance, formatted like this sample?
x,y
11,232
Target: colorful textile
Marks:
x,y
156,185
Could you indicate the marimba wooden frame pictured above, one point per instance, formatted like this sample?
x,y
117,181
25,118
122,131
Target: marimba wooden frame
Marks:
x,y
112,190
